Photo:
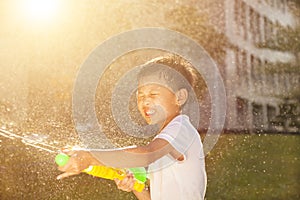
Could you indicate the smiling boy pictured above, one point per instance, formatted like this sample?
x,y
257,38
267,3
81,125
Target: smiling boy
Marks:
x,y
175,157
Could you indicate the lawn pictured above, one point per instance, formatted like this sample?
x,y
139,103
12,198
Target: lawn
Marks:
x,y
241,166
265,166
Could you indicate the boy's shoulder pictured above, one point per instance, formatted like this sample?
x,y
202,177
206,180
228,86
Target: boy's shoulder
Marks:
x,y
179,120
179,124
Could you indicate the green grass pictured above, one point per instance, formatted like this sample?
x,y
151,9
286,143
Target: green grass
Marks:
x,y
241,166
254,167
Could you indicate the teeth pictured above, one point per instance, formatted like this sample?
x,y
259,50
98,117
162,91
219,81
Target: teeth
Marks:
x,y
150,112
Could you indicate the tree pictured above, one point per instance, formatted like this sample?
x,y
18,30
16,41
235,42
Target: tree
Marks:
x,y
189,21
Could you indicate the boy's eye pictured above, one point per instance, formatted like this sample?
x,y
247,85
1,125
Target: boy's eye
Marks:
x,y
141,96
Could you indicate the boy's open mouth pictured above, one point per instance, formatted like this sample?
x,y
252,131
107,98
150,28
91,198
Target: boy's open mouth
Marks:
x,y
149,112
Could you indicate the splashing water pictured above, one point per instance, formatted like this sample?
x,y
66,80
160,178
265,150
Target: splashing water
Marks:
x,y
36,140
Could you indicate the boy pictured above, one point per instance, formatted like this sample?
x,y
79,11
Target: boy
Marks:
x,y
175,157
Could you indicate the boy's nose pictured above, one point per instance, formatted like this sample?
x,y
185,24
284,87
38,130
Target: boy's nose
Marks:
x,y
146,101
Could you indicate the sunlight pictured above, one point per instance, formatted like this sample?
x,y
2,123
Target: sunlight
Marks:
x,y
40,10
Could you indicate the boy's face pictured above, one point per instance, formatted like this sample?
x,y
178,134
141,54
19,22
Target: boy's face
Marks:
x,y
157,103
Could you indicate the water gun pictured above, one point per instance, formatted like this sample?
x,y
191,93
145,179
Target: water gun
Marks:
x,y
110,172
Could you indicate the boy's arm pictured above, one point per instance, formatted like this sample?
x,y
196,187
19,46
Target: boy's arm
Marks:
x,y
128,158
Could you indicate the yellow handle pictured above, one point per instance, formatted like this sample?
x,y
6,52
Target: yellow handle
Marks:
x,y
112,173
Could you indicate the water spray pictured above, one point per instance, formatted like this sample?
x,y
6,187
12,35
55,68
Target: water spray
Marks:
x,y
62,159
35,140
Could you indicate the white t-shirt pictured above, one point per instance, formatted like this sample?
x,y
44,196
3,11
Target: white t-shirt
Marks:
x,y
179,180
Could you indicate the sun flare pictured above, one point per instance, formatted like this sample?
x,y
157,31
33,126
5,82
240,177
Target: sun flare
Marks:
x,y
40,10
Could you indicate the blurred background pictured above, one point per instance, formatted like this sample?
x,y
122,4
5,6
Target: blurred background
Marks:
x,y
256,45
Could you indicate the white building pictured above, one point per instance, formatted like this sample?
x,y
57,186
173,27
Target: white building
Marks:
x,y
254,94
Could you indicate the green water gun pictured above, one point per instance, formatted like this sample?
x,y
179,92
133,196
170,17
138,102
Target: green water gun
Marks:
x,y
109,172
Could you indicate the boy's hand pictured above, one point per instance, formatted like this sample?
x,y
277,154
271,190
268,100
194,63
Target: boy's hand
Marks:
x,y
126,184
79,160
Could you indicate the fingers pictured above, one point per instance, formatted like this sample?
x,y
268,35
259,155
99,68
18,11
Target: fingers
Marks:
x,y
126,184
66,174
71,165
79,160
76,164
68,150
70,169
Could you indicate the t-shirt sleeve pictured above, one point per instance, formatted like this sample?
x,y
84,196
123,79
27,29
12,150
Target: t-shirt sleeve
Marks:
x,y
178,136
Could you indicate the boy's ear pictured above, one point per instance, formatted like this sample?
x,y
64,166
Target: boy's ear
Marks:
x,y
182,96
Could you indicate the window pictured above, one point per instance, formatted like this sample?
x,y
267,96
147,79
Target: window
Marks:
x,y
284,5
252,24
238,63
258,28
243,20
243,63
268,29
252,66
237,15
271,113
242,111
258,119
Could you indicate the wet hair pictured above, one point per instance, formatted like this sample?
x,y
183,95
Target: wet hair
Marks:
x,y
176,71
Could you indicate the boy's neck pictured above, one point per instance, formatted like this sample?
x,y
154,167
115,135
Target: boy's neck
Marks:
x,y
165,123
